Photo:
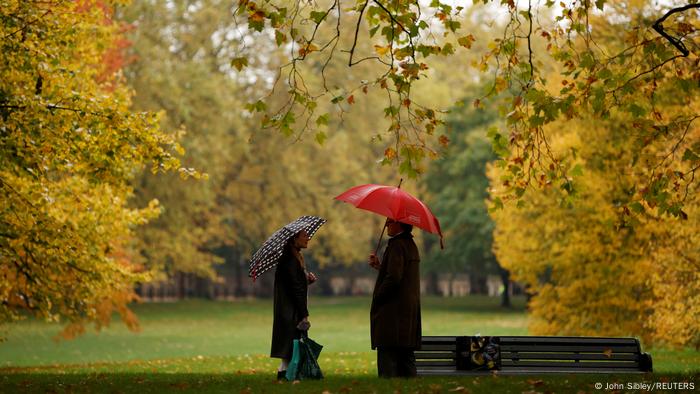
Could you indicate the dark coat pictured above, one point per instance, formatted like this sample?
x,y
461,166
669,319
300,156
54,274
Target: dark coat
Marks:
x,y
289,304
395,313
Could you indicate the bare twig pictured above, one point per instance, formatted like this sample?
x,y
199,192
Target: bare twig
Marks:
x,y
357,30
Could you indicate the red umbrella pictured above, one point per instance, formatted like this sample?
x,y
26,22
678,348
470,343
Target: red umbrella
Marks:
x,y
394,203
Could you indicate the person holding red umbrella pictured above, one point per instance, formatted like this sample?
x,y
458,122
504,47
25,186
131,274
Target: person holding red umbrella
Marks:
x,y
395,320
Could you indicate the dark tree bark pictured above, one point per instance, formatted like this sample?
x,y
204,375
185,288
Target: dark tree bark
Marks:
x,y
505,297
431,283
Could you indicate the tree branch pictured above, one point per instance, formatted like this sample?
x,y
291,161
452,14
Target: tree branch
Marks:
x,y
674,41
357,30
391,16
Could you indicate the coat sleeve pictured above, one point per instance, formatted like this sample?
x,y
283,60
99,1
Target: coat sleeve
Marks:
x,y
396,260
298,286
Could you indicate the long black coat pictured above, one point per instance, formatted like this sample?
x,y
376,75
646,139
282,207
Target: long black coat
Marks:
x,y
289,304
395,313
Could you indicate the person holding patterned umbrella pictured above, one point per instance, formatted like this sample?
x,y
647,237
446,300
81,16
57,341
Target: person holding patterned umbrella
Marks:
x,y
291,315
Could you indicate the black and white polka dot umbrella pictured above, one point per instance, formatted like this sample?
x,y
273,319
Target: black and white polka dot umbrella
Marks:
x,y
270,252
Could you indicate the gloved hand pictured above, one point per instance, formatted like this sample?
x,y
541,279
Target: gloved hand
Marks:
x,y
304,325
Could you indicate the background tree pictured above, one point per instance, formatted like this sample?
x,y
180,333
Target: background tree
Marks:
x,y
590,274
256,183
69,148
458,190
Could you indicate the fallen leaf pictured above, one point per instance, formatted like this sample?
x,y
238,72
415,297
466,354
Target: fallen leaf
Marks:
x,y
535,382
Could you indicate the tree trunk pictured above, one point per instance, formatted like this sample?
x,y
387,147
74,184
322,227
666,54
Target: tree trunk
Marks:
x,y
431,283
239,262
477,284
505,277
180,279
324,285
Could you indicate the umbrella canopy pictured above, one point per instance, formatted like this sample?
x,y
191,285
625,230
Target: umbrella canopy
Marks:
x,y
271,250
394,203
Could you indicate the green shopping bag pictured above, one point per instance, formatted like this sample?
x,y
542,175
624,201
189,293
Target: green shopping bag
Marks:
x,y
304,362
293,366
308,367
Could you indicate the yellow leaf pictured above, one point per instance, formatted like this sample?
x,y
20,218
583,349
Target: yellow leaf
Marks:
x,y
500,84
382,50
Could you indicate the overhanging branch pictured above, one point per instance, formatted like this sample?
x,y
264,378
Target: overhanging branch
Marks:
x,y
658,26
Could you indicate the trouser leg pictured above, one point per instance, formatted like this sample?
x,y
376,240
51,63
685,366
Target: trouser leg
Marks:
x,y
407,363
387,362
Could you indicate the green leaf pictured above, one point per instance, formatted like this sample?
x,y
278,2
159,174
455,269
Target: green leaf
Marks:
x,y
497,204
604,74
321,137
453,25
286,124
257,25
598,100
239,63
587,60
280,38
322,120
689,155
318,16
636,207
258,106
636,110
577,170
447,50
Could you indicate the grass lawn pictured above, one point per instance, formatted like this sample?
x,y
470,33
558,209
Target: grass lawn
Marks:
x,y
203,346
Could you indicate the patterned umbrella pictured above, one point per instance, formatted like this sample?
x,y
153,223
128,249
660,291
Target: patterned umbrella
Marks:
x,y
270,252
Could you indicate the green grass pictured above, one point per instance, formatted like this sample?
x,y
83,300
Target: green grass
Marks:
x,y
198,327
201,346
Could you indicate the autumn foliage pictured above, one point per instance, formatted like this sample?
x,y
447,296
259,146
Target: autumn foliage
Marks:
x,y
69,146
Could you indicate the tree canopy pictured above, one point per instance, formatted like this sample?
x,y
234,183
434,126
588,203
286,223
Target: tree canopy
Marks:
x,y
623,56
69,147
256,183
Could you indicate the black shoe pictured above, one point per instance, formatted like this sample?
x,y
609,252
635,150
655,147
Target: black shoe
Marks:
x,y
282,375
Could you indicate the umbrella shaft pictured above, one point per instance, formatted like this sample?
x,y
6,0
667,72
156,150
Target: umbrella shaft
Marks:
x,y
379,243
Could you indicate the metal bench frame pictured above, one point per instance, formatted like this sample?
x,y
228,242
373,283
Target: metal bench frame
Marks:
x,y
455,355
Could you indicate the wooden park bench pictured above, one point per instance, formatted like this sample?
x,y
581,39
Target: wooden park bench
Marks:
x,y
447,355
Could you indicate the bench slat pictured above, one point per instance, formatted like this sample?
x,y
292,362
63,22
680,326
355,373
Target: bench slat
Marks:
x,y
432,347
434,363
569,348
568,356
590,364
439,338
587,340
538,370
436,370
447,354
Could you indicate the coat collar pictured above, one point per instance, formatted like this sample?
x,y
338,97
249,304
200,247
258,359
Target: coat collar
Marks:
x,y
402,235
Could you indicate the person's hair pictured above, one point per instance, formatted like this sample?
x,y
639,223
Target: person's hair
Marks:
x,y
294,251
407,228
